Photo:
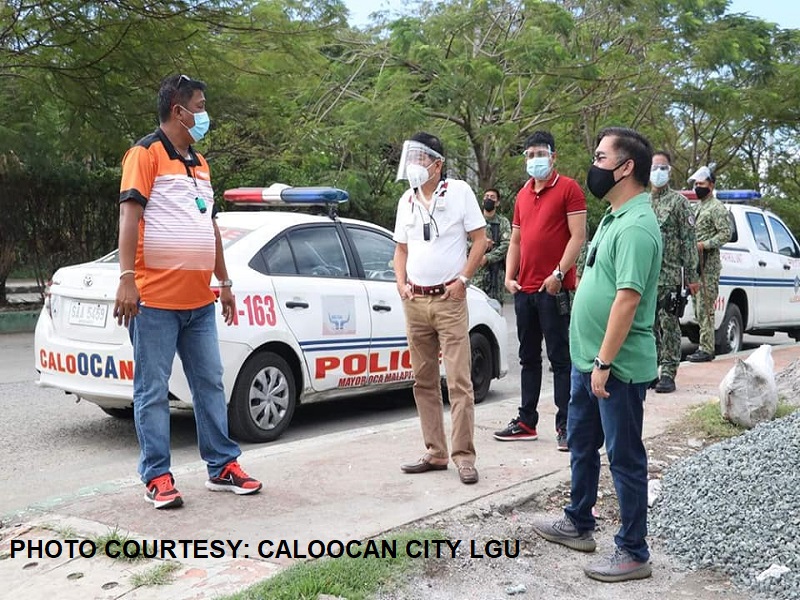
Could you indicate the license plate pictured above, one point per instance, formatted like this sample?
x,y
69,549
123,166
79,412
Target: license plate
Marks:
x,y
89,314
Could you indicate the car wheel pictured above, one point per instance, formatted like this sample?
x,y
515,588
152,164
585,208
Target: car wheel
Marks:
x,y
119,413
729,335
481,365
263,399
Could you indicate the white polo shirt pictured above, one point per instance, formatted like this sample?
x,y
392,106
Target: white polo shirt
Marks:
x,y
454,212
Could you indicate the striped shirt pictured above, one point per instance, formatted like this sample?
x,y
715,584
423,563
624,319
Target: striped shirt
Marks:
x,y
176,250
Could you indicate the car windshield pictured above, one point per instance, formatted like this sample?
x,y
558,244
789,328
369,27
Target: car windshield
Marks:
x,y
112,257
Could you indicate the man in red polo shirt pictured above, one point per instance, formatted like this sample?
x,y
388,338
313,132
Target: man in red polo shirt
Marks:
x,y
548,229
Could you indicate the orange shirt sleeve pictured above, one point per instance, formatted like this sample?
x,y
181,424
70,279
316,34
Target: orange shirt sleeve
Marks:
x,y
138,175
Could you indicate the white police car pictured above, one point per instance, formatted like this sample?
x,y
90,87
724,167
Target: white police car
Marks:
x,y
759,286
319,317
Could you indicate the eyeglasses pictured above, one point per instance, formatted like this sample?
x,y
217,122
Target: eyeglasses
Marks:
x,y
660,168
184,79
536,154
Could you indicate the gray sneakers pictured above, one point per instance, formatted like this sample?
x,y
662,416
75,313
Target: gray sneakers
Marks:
x,y
619,566
563,532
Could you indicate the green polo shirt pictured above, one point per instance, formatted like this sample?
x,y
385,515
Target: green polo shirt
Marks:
x,y
627,255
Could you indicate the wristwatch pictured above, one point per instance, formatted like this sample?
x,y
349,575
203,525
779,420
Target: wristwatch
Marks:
x,y
226,283
464,279
558,274
600,365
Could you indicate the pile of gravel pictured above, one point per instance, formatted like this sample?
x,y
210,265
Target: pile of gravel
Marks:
x,y
735,506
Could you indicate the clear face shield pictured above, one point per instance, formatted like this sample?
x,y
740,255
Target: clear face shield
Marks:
x,y
415,161
702,174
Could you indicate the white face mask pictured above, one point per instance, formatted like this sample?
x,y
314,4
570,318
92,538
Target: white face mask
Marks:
x,y
659,178
417,175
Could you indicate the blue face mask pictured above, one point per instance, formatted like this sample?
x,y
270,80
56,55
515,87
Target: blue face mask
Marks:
x,y
201,124
538,167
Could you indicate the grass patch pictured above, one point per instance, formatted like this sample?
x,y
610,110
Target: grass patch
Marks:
x,y
160,574
115,534
706,419
351,578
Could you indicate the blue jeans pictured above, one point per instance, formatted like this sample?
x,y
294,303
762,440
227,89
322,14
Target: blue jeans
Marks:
x,y
618,420
537,318
156,334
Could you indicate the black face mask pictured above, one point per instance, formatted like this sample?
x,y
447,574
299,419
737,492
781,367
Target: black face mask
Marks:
x,y
489,204
702,192
600,181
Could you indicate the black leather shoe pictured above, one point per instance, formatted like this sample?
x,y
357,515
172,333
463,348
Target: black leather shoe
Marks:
x,y
423,465
700,356
665,385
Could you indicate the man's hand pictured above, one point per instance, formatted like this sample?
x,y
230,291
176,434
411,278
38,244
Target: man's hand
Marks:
x,y
552,285
599,380
700,246
405,291
456,290
228,301
126,305
513,286
694,288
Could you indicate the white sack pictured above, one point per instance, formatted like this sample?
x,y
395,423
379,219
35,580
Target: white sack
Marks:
x,y
748,394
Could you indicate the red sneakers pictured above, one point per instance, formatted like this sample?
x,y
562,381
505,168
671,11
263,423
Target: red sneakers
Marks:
x,y
162,493
233,479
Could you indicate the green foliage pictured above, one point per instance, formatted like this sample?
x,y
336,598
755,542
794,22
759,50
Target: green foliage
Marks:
x,y
119,538
706,420
351,578
160,574
298,96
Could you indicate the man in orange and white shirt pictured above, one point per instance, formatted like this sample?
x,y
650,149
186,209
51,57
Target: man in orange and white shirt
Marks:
x,y
169,245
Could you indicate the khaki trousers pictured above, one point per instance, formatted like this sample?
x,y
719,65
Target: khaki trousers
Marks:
x,y
433,325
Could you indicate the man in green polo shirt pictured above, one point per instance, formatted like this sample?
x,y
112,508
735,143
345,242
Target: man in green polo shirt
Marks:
x,y
613,351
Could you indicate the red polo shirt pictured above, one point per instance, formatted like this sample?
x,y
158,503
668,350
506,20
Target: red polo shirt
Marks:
x,y
544,231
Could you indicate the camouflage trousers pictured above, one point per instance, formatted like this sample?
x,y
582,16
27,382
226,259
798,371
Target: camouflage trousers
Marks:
x,y
668,336
491,281
703,303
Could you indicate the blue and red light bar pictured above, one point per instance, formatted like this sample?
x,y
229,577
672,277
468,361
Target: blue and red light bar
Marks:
x,y
727,195
279,194
738,195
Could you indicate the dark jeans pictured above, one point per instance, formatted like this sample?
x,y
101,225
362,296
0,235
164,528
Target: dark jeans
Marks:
x,y
538,318
618,420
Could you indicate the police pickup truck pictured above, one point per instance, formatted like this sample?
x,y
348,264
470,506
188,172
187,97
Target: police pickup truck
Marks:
x,y
759,287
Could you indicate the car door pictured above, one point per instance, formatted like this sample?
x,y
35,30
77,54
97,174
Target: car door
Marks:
x,y
789,253
769,273
324,304
389,356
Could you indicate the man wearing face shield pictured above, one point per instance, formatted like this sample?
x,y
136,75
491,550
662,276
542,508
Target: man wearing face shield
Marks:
x,y
489,276
712,230
434,218
548,229
676,220
613,351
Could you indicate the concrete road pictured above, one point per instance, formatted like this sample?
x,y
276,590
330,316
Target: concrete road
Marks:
x,y
55,447
58,447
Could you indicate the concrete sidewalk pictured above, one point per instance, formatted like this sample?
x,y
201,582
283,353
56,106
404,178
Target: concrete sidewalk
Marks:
x,y
343,486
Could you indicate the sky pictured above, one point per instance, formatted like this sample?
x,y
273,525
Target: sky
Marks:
x,y
786,13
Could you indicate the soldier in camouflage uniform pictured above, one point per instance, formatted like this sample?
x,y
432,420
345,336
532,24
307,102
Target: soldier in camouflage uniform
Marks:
x,y
712,229
679,263
491,274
